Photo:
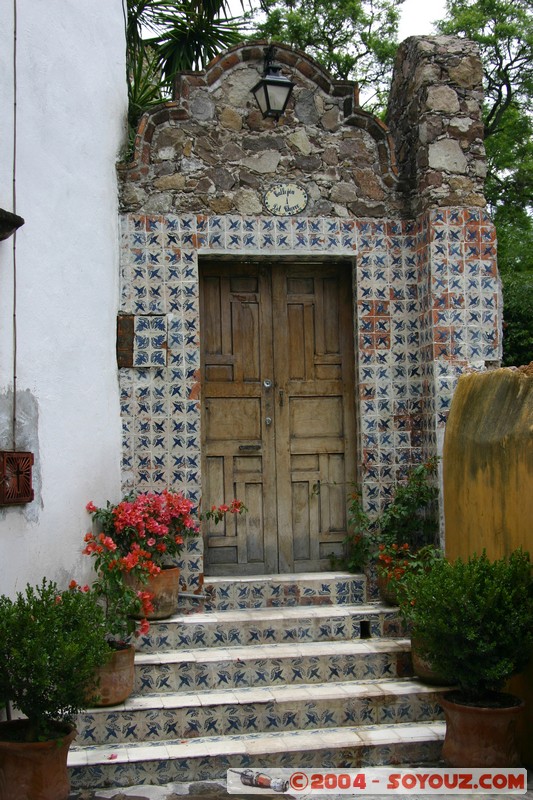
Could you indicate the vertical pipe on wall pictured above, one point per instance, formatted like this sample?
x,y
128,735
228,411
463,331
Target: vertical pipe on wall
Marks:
x,y
14,185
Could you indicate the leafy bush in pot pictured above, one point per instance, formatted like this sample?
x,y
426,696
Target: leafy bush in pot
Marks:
x,y
51,644
409,518
473,620
396,562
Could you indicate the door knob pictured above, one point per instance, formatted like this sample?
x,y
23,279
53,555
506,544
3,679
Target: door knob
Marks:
x,y
267,383
268,421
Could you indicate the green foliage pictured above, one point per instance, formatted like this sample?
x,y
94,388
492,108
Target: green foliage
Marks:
x,y
517,318
51,643
509,189
408,519
352,39
164,37
503,31
397,561
190,39
358,543
183,34
509,184
124,606
473,619
146,89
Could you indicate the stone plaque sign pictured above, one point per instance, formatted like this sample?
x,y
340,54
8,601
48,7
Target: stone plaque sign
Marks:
x,y
285,199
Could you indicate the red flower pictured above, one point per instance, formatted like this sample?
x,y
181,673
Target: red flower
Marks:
x,y
107,542
146,601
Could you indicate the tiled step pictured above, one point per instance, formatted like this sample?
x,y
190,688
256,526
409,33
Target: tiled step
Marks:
x,y
205,758
186,715
295,671
299,589
271,625
271,665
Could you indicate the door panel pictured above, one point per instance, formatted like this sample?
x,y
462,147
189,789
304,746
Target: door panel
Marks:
x,y
317,415
278,413
236,353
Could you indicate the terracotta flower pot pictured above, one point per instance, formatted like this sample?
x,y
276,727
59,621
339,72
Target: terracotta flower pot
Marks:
x,y
34,770
481,737
116,677
165,588
387,591
423,668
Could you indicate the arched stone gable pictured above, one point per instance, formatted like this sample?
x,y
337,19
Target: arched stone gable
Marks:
x,y
425,286
210,150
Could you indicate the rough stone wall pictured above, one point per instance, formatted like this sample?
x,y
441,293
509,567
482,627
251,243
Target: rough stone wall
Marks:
x,y
435,119
212,152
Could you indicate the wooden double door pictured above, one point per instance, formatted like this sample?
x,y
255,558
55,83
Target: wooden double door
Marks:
x,y
278,421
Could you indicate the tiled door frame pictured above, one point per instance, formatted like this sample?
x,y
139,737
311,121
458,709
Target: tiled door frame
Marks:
x,y
427,308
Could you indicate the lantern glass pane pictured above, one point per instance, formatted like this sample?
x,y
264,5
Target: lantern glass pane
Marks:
x,y
278,96
259,92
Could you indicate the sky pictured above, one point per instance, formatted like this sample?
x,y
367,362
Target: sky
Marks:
x,y
417,16
415,20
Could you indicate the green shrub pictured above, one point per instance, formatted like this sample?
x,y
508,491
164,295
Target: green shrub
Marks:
x,y
51,643
473,619
409,518
517,318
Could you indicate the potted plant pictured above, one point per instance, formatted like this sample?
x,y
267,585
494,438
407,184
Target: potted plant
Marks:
x,y
125,606
396,563
474,623
140,541
410,516
125,612
51,644
407,523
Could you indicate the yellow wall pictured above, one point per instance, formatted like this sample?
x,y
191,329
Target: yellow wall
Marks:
x,y
488,465
488,482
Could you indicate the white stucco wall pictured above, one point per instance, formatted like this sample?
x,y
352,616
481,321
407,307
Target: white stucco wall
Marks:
x,y
71,106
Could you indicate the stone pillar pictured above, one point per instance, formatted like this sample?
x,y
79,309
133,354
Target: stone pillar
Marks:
x,y
435,120
434,117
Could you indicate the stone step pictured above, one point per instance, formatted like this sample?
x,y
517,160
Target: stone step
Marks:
x,y
294,670
271,664
207,758
298,589
186,715
268,625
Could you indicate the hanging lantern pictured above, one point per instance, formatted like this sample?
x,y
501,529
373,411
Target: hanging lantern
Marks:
x,y
273,91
